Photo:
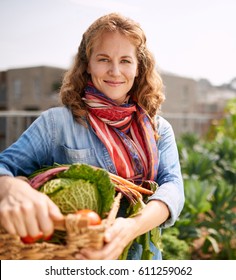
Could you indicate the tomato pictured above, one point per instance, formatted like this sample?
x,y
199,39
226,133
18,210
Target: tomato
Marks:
x,y
46,238
32,239
92,216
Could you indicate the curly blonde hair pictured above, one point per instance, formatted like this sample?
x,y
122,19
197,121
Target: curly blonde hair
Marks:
x,y
147,89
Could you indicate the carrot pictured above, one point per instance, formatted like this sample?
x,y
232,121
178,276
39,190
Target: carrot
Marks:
x,y
129,190
122,181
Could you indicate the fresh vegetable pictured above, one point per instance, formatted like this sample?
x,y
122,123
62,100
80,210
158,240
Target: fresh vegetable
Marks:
x,y
42,176
92,216
39,238
71,195
132,192
79,186
123,182
76,187
90,192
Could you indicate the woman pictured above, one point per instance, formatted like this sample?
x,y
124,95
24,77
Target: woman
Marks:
x,y
111,98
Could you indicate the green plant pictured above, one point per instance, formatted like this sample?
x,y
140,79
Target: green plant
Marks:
x,y
220,222
208,221
225,151
173,247
226,126
197,194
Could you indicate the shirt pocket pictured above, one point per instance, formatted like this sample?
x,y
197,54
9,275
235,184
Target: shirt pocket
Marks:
x,y
86,156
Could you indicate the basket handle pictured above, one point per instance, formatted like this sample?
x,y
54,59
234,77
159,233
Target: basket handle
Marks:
x,y
71,219
60,225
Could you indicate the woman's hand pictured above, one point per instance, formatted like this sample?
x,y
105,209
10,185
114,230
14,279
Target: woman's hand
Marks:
x,y
117,237
124,230
25,211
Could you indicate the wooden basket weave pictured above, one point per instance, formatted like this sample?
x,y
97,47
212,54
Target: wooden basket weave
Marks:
x,y
78,235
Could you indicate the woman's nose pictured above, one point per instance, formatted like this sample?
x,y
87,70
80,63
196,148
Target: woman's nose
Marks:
x,y
114,69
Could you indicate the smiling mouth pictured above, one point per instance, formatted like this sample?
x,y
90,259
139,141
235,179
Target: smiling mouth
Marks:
x,y
113,83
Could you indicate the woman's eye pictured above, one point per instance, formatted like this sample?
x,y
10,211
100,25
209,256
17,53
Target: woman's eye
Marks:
x,y
103,60
125,61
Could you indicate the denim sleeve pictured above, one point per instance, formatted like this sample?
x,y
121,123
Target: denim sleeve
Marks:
x,y
169,178
31,151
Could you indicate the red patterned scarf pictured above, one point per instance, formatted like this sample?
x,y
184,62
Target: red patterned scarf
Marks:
x,y
126,132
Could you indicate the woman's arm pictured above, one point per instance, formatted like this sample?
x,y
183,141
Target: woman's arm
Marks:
x,y
32,150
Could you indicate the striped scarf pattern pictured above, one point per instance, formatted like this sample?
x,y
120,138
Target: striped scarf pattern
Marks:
x,y
126,132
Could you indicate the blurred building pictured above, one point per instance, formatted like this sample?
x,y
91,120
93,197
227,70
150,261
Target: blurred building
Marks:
x,y
181,102
31,90
190,105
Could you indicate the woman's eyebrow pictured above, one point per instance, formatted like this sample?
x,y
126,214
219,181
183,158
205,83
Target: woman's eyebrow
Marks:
x,y
123,56
102,54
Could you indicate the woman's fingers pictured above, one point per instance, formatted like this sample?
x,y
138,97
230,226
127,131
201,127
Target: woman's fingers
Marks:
x,y
26,220
117,237
44,209
25,211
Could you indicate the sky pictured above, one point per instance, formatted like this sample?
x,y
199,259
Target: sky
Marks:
x,y
189,38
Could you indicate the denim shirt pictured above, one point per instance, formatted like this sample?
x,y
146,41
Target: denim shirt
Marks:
x,y
55,137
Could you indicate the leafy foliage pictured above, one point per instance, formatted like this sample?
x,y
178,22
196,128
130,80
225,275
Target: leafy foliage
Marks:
x,y
98,177
173,247
71,195
208,220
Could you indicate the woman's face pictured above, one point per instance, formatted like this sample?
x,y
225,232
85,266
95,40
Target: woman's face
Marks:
x,y
113,66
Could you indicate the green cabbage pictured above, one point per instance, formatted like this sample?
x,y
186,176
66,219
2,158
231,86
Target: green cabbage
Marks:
x,y
81,186
72,195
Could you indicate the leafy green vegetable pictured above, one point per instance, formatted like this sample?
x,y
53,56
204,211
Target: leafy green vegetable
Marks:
x,y
71,195
81,186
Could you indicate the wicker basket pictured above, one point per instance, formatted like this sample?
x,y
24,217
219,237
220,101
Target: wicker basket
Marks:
x,y
78,235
